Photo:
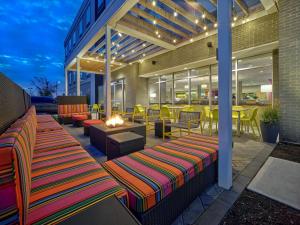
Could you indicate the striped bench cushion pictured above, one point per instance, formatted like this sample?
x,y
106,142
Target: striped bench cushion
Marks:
x,y
46,141
152,174
49,126
66,181
44,118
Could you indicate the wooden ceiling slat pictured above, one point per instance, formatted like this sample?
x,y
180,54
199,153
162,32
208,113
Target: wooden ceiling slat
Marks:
x,y
129,48
243,6
137,50
139,54
168,16
126,45
197,6
161,23
145,28
183,13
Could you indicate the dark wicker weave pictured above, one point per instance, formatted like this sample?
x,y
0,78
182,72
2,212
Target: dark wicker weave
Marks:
x,y
167,210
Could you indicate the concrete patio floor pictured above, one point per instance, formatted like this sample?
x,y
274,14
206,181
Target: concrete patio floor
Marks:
x,y
249,154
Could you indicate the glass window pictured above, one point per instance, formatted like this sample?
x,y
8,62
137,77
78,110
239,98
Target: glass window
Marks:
x,y
255,80
181,88
166,89
80,28
154,90
200,85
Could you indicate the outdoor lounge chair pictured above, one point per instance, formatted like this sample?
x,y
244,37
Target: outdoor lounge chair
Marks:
x,y
186,121
128,114
150,118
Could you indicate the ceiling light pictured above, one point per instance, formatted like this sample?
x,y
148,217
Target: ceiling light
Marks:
x,y
101,54
205,27
156,32
154,3
114,58
206,33
132,50
174,41
233,57
113,43
123,56
130,63
118,45
185,68
235,18
116,53
144,54
175,14
196,21
215,25
203,16
120,34
232,24
144,45
191,40
154,22
158,36
244,21
247,20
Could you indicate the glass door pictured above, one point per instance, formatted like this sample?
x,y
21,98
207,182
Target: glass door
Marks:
x,y
118,94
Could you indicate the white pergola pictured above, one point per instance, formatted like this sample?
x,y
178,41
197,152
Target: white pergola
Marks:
x,y
135,30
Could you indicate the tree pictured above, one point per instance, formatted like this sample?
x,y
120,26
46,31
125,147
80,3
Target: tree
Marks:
x,y
43,86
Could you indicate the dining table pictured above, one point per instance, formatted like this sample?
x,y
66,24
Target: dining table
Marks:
x,y
239,111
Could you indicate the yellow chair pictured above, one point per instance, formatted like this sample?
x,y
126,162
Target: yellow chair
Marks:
x,y
188,108
214,119
165,113
139,112
250,120
154,106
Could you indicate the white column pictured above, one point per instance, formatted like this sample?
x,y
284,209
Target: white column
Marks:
x,y
225,93
190,86
66,82
78,77
93,89
108,72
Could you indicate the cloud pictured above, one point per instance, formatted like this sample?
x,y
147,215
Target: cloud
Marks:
x,y
34,38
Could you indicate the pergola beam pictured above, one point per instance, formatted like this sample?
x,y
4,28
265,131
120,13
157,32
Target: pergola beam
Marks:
x,y
243,6
141,47
183,13
168,16
141,52
197,6
140,33
160,22
107,72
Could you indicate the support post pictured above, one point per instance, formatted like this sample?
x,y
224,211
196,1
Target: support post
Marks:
x,y
225,93
108,72
93,89
66,82
78,76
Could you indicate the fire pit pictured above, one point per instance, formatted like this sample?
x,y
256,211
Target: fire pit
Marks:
x,y
114,121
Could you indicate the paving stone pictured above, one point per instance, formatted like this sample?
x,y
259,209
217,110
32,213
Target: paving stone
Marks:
x,y
191,214
178,221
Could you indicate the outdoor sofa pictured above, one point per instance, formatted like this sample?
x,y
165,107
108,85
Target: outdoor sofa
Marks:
x,y
163,180
46,176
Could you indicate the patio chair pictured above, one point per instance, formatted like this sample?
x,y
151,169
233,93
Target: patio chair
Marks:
x,y
154,106
166,114
206,116
150,118
250,120
186,122
128,114
188,108
214,119
139,112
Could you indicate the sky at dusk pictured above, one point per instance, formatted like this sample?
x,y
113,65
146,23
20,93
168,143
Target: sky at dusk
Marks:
x,y
32,38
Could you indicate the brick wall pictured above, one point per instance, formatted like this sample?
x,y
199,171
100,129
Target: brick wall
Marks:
x,y
257,32
289,69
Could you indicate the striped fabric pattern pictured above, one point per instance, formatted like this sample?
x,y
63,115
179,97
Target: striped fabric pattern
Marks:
x,y
64,110
44,118
80,108
152,174
42,127
46,141
66,181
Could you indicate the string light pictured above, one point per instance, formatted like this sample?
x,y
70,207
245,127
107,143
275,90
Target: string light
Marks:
x,y
232,24
113,43
175,14
144,54
215,25
244,21
123,56
174,41
118,45
196,21
154,3
205,27
235,18
206,34
144,45
156,32
120,34
132,50
203,16
158,36
154,22
191,40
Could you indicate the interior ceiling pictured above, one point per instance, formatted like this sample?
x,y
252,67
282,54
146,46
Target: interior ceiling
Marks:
x,y
153,25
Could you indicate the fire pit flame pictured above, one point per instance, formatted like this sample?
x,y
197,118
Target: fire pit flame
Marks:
x,y
115,121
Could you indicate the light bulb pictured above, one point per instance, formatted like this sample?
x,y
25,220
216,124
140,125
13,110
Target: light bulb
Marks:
x,y
175,14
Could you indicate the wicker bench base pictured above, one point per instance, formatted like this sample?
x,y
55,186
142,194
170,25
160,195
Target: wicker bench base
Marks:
x,y
167,210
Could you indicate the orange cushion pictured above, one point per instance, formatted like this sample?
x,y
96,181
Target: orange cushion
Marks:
x,y
88,123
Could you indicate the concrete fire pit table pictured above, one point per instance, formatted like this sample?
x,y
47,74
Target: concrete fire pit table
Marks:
x,y
99,133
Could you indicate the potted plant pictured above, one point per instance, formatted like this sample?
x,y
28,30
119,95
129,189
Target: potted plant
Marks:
x,y
269,125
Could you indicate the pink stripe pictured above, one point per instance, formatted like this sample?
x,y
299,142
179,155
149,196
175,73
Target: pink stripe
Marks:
x,y
54,161
192,150
66,201
160,178
200,143
187,165
37,155
62,175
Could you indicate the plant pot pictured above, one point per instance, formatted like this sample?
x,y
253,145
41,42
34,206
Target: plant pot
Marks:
x,y
269,131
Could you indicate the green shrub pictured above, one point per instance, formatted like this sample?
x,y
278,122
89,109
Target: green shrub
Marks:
x,y
270,115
